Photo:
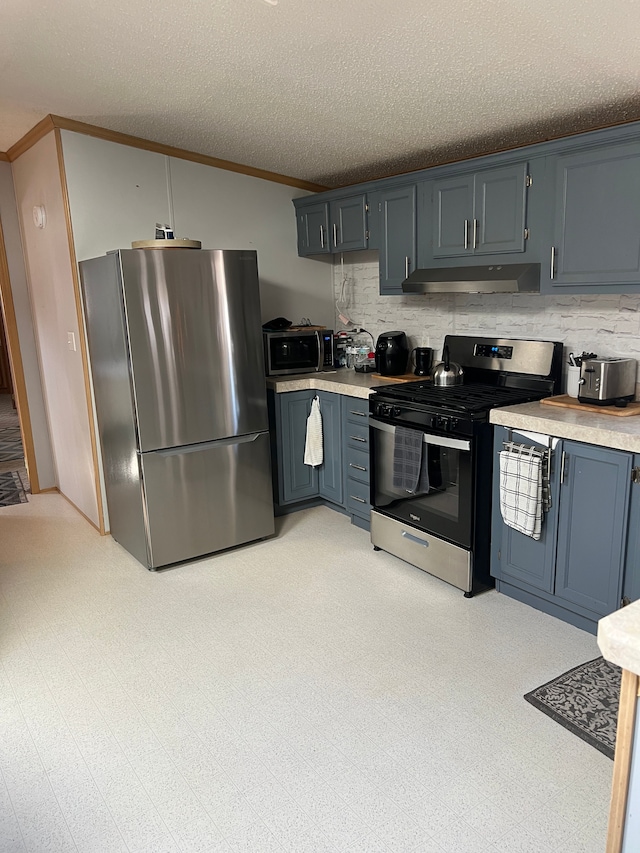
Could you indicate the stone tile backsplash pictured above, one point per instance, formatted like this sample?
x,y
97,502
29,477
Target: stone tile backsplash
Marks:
x,y
606,324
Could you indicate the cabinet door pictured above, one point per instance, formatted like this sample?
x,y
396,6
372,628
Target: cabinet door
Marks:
x,y
452,216
518,557
349,223
596,238
592,528
631,587
330,472
313,230
297,480
499,206
398,237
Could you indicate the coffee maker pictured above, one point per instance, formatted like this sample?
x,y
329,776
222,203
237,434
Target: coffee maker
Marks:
x,y
392,353
423,358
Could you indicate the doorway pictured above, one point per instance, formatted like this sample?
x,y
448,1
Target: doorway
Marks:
x,y
18,473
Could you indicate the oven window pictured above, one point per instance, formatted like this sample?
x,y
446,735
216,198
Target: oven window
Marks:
x,y
443,505
293,353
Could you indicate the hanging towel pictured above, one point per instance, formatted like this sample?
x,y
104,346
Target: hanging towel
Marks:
x,y
521,492
410,472
313,451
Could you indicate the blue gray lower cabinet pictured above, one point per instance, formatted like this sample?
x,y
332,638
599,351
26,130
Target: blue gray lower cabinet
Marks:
x,y
576,570
355,420
342,481
631,585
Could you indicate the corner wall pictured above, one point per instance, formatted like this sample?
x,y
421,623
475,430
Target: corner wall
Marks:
x,y
37,182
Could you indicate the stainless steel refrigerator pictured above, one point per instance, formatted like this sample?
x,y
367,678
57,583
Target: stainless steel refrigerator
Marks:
x,y
175,346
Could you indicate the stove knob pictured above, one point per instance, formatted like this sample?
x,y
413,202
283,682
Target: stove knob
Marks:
x,y
453,423
396,411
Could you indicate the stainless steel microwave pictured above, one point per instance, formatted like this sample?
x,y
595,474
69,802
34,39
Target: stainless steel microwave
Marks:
x,y
297,352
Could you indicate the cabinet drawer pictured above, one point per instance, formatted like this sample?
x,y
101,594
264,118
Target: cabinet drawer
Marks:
x,y
358,465
358,497
357,436
356,410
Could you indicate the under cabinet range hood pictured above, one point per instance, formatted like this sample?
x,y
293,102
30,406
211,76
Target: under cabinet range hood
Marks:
x,y
497,278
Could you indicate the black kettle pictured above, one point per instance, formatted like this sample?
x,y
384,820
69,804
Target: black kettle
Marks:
x,y
392,353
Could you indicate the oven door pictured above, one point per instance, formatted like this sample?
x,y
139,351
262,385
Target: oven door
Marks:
x,y
446,509
293,352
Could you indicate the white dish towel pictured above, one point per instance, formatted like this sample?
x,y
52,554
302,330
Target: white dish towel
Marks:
x,y
521,492
313,449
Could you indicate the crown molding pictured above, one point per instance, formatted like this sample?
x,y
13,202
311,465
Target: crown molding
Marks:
x,y
4,156
30,138
52,122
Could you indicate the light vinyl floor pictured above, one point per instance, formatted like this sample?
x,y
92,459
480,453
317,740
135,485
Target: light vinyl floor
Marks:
x,y
299,694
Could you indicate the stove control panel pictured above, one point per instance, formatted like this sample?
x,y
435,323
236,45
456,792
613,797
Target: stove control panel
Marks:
x,y
386,410
445,423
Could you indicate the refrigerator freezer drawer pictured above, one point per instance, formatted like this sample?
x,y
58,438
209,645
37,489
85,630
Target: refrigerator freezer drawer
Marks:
x,y
204,498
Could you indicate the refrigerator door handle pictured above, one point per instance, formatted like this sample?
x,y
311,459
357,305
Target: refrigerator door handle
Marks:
x,y
207,445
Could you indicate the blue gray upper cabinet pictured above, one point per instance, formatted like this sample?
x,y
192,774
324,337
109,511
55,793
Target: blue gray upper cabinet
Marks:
x,y
596,237
592,526
313,230
480,213
332,226
348,218
398,236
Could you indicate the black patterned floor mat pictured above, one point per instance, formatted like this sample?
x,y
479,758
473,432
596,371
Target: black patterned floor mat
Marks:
x,y
585,701
10,444
11,489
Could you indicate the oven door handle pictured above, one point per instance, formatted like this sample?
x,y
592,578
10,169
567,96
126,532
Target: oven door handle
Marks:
x,y
436,440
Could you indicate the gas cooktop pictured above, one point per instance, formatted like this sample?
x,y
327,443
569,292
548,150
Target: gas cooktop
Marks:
x,y
471,398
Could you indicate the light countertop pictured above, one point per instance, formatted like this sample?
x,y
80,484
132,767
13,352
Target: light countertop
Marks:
x,y
590,427
619,637
342,381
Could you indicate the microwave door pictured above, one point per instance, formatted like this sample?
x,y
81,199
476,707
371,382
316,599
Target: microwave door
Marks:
x,y
292,354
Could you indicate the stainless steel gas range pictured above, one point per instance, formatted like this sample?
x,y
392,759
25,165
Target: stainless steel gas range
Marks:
x,y
440,519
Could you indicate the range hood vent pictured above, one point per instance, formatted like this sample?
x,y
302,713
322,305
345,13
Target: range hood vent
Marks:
x,y
498,278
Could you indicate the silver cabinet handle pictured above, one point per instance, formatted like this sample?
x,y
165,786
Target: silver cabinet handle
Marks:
x,y
357,438
553,262
335,235
475,233
407,262
563,459
356,498
357,467
322,236
415,539
359,414
466,233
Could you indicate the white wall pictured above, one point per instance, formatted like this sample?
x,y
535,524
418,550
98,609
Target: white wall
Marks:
x,y
118,193
24,322
37,182
226,210
607,324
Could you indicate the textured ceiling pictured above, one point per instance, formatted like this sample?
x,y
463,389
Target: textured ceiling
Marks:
x,y
331,91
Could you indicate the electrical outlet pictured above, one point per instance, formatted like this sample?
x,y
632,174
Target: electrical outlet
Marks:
x,y
71,341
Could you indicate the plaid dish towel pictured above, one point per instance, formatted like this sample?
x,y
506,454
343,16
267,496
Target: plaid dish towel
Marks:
x,y
407,458
521,492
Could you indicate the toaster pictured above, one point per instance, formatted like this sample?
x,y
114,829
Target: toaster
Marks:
x,y
607,381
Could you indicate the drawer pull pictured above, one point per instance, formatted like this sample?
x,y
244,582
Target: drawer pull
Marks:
x,y
357,467
359,414
356,498
357,438
415,539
